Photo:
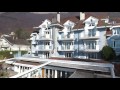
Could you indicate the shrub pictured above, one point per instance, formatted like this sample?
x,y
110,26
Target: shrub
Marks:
x,y
108,53
5,54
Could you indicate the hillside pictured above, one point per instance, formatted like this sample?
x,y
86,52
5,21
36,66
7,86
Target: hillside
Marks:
x,y
10,21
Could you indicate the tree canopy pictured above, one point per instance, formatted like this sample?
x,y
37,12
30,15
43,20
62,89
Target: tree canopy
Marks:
x,y
22,34
108,53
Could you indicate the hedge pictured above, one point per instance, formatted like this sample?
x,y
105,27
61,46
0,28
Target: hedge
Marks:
x,y
6,54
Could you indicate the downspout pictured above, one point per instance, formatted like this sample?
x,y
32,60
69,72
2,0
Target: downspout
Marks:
x,y
78,43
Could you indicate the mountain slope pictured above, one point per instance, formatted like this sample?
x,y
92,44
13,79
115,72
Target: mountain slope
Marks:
x,y
10,21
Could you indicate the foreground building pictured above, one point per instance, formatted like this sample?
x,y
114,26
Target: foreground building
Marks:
x,y
59,68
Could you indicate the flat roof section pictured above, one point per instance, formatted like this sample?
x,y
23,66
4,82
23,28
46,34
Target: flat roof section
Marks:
x,y
78,59
28,62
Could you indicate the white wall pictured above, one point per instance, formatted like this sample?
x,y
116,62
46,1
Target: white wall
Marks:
x,y
20,47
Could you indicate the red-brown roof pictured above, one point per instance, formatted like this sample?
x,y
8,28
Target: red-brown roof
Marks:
x,y
79,25
108,31
73,19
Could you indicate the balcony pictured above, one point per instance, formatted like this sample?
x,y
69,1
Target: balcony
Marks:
x,y
37,37
65,38
34,42
45,38
91,50
87,37
66,49
87,49
34,51
44,48
32,38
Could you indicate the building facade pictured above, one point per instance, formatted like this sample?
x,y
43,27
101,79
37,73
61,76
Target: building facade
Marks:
x,y
11,44
82,37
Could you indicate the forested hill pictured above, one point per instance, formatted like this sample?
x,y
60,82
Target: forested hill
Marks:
x,y
10,21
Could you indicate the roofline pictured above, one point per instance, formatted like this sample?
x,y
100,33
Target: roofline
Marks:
x,y
56,24
21,44
81,29
8,40
89,17
69,21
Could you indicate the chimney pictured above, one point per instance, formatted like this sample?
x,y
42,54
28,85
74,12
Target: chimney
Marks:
x,y
54,20
82,15
58,16
13,37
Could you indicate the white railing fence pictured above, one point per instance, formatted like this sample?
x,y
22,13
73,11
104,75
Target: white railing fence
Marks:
x,y
32,73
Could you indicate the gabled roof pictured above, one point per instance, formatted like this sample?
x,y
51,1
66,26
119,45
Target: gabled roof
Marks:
x,y
91,18
17,41
108,32
79,25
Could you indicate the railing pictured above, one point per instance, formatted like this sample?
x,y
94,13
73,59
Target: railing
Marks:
x,y
34,42
89,37
83,48
66,49
65,38
33,38
44,48
32,73
64,63
45,38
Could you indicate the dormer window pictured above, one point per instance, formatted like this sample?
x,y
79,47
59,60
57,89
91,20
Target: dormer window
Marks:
x,y
69,28
92,23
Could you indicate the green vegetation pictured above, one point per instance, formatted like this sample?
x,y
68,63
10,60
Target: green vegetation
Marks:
x,y
22,34
7,54
23,52
3,73
108,53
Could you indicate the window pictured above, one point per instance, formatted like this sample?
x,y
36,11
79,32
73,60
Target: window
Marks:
x,y
92,32
47,32
116,44
68,55
91,45
116,31
68,45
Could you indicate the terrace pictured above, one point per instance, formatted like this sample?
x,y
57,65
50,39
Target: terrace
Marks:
x,y
54,67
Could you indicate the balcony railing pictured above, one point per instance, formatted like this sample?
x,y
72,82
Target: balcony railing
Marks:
x,y
44,48
34,42
65,38
45,38
32,38
89,49
66,49
32,73
89,37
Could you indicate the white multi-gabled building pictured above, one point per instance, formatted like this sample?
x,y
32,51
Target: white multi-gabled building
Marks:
x,y
72,37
